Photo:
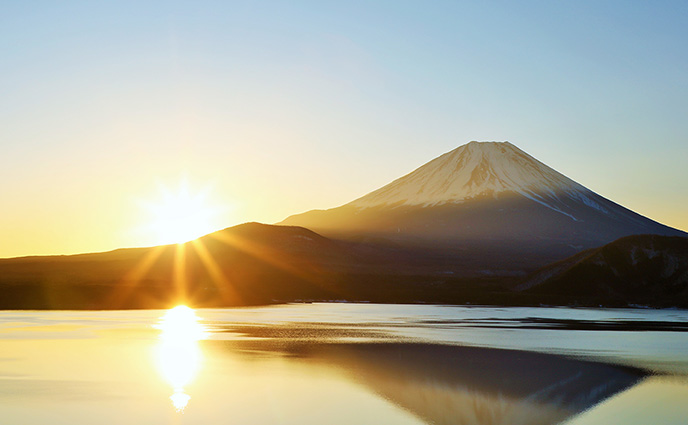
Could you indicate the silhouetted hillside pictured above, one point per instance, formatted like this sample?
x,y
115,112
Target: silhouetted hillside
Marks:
x,y
247,264
260,264
645,270
243,265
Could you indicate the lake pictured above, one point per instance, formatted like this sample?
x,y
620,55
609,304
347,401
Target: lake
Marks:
x,y
345,364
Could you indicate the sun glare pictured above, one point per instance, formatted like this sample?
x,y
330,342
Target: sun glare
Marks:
x,y
180,325
178,355
181,215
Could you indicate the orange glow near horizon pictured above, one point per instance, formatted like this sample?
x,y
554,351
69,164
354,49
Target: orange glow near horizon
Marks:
x,y
224,286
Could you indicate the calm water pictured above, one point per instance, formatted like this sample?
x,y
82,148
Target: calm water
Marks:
x,y
345,364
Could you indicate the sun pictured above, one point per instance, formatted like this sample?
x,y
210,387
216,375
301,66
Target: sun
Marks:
x,y
179,214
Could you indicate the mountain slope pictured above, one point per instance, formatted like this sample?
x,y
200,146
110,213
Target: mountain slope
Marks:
x,y
485,194
243,265
479,169
642,269
260,264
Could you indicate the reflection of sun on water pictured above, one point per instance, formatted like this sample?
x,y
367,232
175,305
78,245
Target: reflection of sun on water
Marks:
x,y
178,355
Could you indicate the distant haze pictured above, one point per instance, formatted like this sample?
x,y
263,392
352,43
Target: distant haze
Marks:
x,y
276,108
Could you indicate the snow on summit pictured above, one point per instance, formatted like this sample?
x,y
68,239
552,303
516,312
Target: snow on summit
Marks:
x,y
478,169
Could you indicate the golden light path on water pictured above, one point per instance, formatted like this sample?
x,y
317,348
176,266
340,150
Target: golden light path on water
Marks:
x,y
178,355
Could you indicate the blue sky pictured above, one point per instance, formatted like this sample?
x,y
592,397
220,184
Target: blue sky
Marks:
x,y
287,106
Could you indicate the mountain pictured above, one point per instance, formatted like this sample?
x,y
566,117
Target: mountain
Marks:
x,y
646,270
256,263
485,195
247,264
466,227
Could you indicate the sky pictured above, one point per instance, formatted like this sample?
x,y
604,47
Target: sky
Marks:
x,y
260,110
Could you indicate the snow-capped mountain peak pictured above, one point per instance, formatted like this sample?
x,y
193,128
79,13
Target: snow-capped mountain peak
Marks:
x,y
478,169
484,194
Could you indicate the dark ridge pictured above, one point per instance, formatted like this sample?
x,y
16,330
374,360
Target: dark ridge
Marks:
x,y
647,270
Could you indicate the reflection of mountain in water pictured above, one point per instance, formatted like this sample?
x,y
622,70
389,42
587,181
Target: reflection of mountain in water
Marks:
x,y
466,385
443,384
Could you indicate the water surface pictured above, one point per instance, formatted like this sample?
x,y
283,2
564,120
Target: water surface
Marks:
x,y
343,364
